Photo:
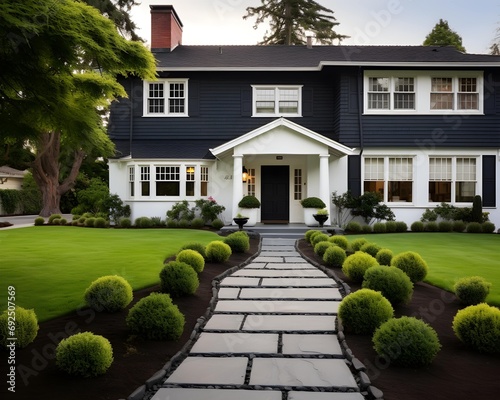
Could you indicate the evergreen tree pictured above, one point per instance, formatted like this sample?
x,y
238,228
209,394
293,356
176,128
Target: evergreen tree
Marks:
x,y
290,19
442,35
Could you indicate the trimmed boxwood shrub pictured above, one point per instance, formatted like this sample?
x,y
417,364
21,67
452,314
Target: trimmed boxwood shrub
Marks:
x,y
26,327
472,290
474,227
366,229
356,244
321,237
339,240
384,256
412,264
417,226
217,223
431,226
184,223
178,279
355,266
370,248
110,293
310,233
63,221
353,226
321,247
488,227
312,202
100,223
401,226
459,226
143,222
125,223
217,251
390,226
379,227
199,247
193,258
197,223
84,354
155,317
56,221
89,222
172,223
393,283
39,221
249,202
445,226
53,217
238,241
479,327
364,311
407,342
334,256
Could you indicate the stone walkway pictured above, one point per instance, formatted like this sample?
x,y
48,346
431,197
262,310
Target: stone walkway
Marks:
x,y
272,336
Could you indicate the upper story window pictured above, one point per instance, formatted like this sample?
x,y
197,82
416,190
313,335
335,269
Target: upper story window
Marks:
x,y
423,92
166,98
277,101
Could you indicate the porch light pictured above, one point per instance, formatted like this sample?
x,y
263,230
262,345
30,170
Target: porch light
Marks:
x,y
244,174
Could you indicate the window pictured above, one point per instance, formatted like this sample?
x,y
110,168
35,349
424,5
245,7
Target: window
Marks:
x,y
465,186
452,179
251,182
441,94
277,101
393,173
297,184
381,89
131,181
468,96
440,179
145,181
404,94
166,98
167,181
190,180
204,181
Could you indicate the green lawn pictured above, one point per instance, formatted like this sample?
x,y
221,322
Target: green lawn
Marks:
x,y
450,256
50,267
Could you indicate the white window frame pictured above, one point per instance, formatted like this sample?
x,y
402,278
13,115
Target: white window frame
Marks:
x,y
166,98
423,90
168,173
276,89
131,181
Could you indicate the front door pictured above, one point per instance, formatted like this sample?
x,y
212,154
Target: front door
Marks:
x,y
275,193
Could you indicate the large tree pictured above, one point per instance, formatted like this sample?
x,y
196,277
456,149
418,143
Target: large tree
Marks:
x,y
291,20
59,65
443,35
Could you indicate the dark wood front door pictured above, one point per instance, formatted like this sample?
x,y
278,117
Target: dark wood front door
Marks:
x,y
275,187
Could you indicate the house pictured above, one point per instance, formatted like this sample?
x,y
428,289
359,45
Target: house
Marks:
x,y
11,178
420,125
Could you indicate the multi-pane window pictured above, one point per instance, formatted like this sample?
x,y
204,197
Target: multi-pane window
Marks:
x,y
251,182
204,181
442,94
190,180
393,173
440,179
404,94
379,97
145,180
276,101
297,184
468,95
465,185
391,93
167,181
454,94
131,181
452,179
166,98
374,175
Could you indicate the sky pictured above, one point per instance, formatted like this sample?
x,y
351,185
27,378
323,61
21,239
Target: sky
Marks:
x,y
367,22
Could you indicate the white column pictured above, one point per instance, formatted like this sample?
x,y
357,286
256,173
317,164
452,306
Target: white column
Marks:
x,y
237,183
324,180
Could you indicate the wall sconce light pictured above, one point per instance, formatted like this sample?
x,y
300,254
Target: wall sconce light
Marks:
x,y
190,170
3,180
244,174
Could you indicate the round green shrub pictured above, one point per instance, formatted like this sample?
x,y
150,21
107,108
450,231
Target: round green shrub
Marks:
x,y
339,240
488,227
334,256
384,256
366,229
193,258
89,222
431,226
370,248
39,221
310,233
393,283
172,223
401,226
110,293
125,223
312,202
178,279
184,223
238,241
379,227
81,221
356,244
321,247
407,342
478,326
217,223
313,234
412,264
56,221
473,227
63,221
217,251
155,317
87,215
417,226
197,223
364,311
26,326
84,354
390,226
472,290
199,247
353,226
459,226
143,222
355,266
53,217
445,226
321,237
100,222
249,202
74,223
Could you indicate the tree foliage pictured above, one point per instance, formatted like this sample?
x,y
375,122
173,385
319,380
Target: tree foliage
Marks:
x,y
443,35
290,19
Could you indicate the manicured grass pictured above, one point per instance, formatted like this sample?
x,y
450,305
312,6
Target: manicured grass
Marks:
x,y
450,256
50,267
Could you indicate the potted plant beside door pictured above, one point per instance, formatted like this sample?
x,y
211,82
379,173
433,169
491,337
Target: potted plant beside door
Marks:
x,y
311,206
249,206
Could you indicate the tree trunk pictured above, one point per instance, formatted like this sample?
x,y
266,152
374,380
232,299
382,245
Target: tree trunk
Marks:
x,y
288,24
46,172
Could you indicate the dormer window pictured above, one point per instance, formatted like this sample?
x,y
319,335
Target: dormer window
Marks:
x,y
166,98
277,101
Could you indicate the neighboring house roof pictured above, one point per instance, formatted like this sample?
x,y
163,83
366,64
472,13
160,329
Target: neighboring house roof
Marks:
x,y
279,57
8,172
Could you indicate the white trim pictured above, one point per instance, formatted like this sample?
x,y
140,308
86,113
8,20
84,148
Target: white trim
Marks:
x,y
166,90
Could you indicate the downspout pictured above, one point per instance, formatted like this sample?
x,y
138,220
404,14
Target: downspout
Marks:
x,y
360,108
131,119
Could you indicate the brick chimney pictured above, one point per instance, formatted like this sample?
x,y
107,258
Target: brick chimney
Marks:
x,y
166,28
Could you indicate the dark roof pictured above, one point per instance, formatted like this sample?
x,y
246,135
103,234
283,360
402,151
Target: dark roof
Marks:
x,y
170,148
301,57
